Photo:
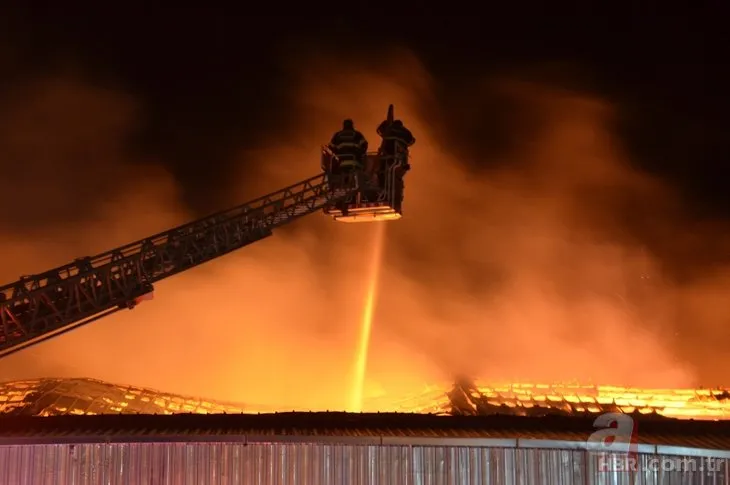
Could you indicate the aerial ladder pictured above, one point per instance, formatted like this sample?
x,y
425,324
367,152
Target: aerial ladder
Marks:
x,y
39,307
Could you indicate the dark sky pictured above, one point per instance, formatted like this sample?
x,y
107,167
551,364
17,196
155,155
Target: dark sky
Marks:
x,y
211,81
189,68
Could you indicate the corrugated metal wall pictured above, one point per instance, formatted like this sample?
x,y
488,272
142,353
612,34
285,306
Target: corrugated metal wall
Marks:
x,y
321,464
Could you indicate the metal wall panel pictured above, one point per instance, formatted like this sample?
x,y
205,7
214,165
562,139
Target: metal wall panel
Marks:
x,y
212,463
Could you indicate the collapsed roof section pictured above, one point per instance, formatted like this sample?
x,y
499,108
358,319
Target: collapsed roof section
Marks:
x,y
57,397
54,397
474,398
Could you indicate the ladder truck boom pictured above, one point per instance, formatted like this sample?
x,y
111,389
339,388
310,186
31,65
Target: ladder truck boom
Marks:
x,y
38,307
42,306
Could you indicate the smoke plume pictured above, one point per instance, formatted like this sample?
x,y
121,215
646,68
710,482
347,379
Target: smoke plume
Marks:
x,y
530,269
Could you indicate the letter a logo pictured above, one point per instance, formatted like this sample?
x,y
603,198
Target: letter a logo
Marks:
x,y
616,434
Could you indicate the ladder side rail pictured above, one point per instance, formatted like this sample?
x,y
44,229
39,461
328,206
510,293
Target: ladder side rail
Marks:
x,y
32,282
57,302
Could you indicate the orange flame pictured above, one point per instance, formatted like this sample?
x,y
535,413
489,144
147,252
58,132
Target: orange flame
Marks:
x,y
88,396
522,398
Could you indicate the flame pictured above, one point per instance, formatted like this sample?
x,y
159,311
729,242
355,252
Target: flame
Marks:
x,y
51,397
366,324
528,398
48,397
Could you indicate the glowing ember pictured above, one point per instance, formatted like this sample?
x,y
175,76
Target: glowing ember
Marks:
x,y
537,399
46,397
50,397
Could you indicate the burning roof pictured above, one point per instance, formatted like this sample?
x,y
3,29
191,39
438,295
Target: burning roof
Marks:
x,y
53,397
569,399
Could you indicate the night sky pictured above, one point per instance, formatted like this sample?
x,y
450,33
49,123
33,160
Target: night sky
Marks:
x,y
207,78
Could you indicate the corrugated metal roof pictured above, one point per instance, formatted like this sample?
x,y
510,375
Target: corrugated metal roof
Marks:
x,y
530,399
51,397
234,463
345,427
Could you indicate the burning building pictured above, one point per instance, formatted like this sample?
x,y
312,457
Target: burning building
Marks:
x,y
64,397
88,431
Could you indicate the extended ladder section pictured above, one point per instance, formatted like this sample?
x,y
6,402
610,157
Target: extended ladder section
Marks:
x,y
39,307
